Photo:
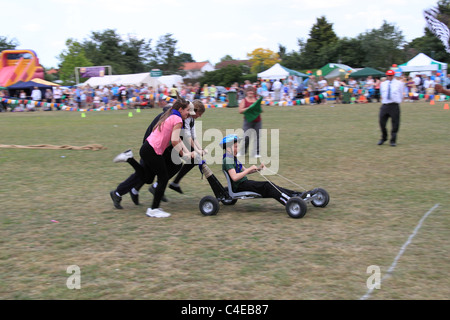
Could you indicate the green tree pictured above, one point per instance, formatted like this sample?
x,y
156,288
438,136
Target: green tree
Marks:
x,y
226,58
282,51
166,57
382,47
72,57
316,51
6,44
347,51
123,55
444,9
262,59
134,54
293,60
104,48
224,77
185,57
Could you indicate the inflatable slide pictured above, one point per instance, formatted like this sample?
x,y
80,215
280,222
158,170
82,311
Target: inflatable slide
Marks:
x,y
19,65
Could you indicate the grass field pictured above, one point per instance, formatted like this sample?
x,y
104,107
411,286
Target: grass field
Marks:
x,y
251,250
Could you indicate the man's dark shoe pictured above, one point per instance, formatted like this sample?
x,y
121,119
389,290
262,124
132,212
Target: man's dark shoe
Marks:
x,y
135,198
393,144
116,199
381,142
175,187
151,189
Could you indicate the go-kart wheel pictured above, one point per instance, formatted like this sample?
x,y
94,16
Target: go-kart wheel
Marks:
x,y
296,207
229,202
322,198
209,206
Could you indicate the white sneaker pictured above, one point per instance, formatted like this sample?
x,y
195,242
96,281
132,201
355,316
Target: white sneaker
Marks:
x,y
239,154
257,156
124,156
157,213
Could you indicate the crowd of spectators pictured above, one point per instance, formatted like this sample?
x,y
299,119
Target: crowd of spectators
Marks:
x,y
348,90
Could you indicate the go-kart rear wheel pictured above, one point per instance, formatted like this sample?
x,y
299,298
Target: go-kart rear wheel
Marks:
x,y
296,207
229,202
209,206
321,198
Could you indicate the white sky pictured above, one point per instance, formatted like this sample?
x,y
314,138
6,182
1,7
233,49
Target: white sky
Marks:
x,y
207,29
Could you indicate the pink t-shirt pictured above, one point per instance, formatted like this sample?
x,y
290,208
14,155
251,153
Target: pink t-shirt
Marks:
x,y
160,140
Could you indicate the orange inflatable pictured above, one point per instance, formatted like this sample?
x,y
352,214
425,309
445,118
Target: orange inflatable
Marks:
x,y
19,65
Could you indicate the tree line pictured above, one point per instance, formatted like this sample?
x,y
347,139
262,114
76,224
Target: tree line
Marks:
x,y
377,48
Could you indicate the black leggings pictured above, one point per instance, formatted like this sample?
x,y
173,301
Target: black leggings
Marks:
x,y
265,189
153,165
135,181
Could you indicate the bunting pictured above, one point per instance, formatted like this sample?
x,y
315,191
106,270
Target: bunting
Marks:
x,y
124,105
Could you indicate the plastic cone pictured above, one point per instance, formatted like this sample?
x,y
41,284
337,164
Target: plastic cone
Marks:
x,y
130,114
432,102
83,115
446,106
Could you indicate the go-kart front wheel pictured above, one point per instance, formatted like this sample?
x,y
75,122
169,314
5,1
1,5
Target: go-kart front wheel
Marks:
x,y
321,198
296,207
209,206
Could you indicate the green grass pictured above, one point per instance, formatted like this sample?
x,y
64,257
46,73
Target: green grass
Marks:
x,y
251,250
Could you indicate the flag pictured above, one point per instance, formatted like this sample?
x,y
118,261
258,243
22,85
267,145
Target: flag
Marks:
x,y
439,29
252,112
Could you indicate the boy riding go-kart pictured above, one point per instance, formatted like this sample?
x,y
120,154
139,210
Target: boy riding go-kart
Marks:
x,y
240,187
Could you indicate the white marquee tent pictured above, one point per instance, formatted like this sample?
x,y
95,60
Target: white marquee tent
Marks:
x,y
274,72
277,71
422,62
171,80
123,79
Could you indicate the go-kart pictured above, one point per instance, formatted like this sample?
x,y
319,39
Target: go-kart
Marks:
x,y
296,207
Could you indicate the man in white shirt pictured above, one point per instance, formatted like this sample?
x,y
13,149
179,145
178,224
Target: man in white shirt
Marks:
x,y
36,94
323,85
418,82
391,92
277,90
57,95
428,85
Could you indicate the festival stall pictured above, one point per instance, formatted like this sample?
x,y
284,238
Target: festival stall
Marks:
x,y
123,79
27,86
277,71
334,70
423,64
42,81
364,73
171,80
273,73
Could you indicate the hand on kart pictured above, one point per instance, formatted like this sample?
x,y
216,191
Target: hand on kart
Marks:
x,y
187,156
254,169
